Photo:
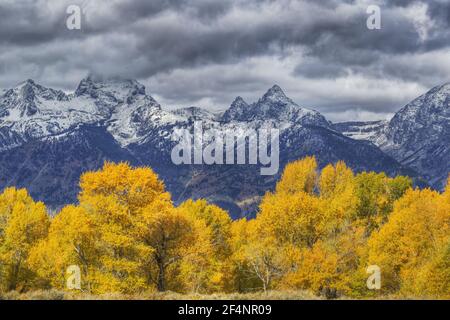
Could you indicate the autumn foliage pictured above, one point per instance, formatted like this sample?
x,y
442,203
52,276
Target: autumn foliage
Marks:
x,y
318,231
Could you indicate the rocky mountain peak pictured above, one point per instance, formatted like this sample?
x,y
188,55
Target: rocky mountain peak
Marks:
x,y
275,98
236,111
275,94
277,106
428,109
115,89
25,99
28,82
29,89
274,105
239,103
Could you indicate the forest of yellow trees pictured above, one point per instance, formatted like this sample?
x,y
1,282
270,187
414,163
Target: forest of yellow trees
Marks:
x,y
318,231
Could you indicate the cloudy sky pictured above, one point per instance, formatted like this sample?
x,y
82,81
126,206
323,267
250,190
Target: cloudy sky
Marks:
x,y
207,52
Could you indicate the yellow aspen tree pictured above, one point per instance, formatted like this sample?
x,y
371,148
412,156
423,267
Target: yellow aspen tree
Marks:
x,y
71,241
219,223
339,200
199,270
300,175
242,234
331,267
433,279
175,238
416,230
376,195
291,218
288,221
133,187
23,223
115,198
316,271
335,179
262,257
121,252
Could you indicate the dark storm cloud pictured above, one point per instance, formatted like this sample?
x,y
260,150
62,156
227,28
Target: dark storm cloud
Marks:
x,y
188,50
388,53
22,22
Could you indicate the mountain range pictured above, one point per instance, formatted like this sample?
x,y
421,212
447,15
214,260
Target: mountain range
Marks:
x,y
48,138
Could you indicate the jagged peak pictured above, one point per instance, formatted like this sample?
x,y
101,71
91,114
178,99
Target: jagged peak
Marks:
x,y
102,83
29,88
275,93
273,105
238,102
29,83
276,88
121,89
109,80
236,109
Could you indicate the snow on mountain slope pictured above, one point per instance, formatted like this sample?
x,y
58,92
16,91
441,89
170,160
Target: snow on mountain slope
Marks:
x,y
430,112
360,130
419,135
195,114
32,111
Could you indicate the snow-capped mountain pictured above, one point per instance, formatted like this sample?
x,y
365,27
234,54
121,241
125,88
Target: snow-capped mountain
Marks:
x,y
33,111
418,136
48,138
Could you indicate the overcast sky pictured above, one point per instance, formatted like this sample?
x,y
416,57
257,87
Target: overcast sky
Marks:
x,y
207,52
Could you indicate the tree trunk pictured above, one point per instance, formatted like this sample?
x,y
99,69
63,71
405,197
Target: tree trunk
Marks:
x,y
14,277
161,278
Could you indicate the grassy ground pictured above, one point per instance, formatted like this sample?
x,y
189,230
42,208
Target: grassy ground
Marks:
x,y
272,295
60,295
